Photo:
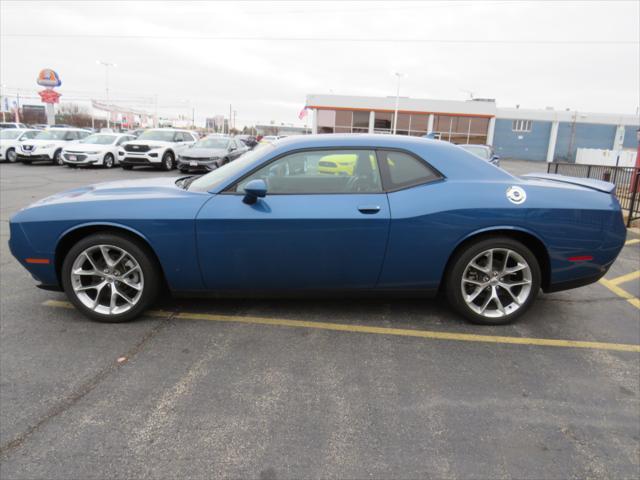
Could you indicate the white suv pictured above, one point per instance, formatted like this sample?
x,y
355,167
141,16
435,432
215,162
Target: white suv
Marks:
x,y
47,145
10,140
157,147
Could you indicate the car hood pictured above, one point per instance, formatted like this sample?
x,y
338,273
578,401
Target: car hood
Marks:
x,y
148,188
150,143
87,147
37,143
202,152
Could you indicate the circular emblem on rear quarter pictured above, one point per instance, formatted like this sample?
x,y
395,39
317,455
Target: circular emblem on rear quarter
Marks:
x,y
516,195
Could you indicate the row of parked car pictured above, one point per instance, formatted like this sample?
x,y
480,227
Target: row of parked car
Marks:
x,y
164,148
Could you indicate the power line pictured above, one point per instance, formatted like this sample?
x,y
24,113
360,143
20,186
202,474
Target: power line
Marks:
x,y
326,39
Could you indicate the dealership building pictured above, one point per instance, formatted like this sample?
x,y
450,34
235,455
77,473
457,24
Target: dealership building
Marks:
x,y
527,134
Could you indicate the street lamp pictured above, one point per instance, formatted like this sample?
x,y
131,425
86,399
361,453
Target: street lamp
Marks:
x,y
395,113
106,72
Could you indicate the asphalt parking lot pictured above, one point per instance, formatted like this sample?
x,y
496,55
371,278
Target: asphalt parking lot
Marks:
x,y
313,388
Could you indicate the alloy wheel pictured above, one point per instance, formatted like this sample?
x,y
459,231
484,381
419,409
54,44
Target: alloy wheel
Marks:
x,y
12,156
496,282
107,279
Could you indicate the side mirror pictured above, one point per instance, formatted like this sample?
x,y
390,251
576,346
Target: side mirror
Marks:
x,y
232,148
495,157
253,190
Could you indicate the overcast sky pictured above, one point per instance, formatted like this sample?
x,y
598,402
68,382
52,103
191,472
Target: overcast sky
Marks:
x,y
581,55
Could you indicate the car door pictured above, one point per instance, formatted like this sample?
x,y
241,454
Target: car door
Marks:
x,y
311,231
419,238
234,149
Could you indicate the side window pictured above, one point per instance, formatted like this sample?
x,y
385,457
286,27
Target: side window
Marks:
x,y
187,137
320,171
70,136
404,170
177,137
83,134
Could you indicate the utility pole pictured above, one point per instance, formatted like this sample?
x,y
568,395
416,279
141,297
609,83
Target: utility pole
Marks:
x,y
106,77
229,122
395,114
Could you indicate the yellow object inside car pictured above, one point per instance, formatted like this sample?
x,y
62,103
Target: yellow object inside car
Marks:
x,y
340,164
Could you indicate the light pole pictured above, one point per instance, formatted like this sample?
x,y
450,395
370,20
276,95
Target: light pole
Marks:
x,y
395,113
106,77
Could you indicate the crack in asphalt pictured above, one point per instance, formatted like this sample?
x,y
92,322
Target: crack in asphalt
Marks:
x,y
85,388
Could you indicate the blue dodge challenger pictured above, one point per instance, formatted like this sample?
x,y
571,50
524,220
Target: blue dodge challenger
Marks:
x,y
328,214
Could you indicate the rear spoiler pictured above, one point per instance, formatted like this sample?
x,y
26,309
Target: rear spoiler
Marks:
x,y
599,185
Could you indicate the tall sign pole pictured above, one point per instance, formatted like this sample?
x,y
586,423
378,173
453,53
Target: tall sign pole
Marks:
x,y
49,79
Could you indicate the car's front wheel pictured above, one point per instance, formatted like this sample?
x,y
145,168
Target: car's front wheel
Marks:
x,y
57,158
108,161
12,156
167,161
110,277
493,281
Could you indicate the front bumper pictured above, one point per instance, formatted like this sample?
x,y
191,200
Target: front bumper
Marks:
x,y
37,155
136,158
197,165
81,159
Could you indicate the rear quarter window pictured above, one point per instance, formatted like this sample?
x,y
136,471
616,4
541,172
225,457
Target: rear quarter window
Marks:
x,y
402,170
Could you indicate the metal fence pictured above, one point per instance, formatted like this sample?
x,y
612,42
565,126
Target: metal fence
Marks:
x,y
626,180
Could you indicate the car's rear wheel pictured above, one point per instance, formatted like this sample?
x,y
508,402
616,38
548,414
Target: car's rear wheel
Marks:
x,y
110,277
57,158
167,161
108,161
493,281
12,156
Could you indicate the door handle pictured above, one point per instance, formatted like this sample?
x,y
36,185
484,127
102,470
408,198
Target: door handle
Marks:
x,y
369,209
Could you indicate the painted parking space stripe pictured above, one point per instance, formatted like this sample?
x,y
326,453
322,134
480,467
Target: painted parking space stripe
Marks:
x,y
632,242
635,301
625,278
428,334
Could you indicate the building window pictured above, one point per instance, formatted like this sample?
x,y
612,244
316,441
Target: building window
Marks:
x,y
360,122
461,129
521,126
383,122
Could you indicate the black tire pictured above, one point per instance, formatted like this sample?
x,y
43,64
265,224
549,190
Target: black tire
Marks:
x,y
57,158
137,249
11,155
168,162
108,161
457,266
127,167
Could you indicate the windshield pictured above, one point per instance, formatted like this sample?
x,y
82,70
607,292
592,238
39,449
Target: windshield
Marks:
x,y
99,139
10,134
160,135
51,135
479,151
221,175
212,142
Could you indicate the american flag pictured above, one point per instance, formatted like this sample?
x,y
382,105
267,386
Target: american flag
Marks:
x,y
303,113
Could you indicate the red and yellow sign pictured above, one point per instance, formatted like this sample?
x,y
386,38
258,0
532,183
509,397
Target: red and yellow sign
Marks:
x,y
49,96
